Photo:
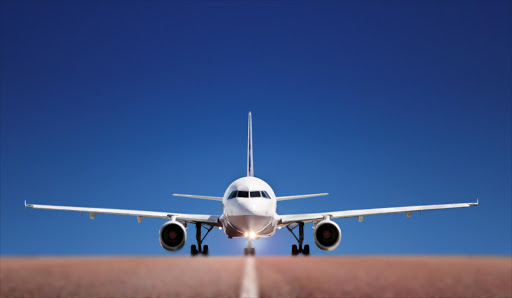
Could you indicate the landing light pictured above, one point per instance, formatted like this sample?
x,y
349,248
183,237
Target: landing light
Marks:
x,y
251,235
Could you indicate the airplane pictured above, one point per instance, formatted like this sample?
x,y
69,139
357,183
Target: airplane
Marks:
x,y
249,210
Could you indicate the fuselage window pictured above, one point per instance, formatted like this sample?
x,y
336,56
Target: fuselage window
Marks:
x,y
232,195
243,194
255,194
265,194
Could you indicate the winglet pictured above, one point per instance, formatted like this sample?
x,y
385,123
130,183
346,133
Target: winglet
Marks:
x,y
28,205
250,165
474,204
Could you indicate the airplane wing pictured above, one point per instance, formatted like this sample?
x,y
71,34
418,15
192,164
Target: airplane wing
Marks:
x,y
300,196
212,220
198,197
309,217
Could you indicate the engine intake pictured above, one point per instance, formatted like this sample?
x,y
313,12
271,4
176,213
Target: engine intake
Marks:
x,y
173,235
327,235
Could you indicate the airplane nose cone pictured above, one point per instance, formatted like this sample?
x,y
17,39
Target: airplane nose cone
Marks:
x,y
250,215
250,223
252,206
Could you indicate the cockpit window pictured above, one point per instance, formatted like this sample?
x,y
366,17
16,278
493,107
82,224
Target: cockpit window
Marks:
x,y
243,194
255,194
232,195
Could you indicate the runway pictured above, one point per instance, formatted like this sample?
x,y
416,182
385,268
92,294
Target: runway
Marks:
x,y
256,276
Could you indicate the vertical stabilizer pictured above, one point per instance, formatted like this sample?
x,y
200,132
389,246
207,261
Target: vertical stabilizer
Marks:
x,y
250,165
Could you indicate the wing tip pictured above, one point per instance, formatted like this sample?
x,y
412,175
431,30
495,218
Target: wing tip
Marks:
x,y
474,204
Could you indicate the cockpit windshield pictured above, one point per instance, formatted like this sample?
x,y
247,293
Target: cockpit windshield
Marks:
x,y
246,194
255,194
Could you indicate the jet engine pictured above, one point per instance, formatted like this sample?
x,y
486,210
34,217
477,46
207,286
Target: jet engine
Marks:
x,y
172,235
327,235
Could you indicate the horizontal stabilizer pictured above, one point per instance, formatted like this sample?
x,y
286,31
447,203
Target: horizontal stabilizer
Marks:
x,y
301,196
198,197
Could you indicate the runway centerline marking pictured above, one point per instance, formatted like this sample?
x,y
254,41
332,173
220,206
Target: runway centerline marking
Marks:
x,y
249,280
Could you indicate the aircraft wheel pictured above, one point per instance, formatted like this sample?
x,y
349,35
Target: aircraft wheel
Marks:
x,y
295,251
205,250
306,250
193,250
246,251
253,251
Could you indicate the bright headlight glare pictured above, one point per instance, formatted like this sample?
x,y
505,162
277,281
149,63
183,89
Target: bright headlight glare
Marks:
x,y
252,234
246,234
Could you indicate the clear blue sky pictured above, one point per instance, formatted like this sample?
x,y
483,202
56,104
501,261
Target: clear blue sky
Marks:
x,y
120,104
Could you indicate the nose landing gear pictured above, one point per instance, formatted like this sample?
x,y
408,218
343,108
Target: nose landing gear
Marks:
x,y
249,250
200,249
297,250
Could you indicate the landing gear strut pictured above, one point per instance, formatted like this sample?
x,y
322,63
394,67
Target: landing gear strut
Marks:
x,y
249,250
297,250
200,249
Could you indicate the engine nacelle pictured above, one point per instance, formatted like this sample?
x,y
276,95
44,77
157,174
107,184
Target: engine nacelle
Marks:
x,y
173,235
327,235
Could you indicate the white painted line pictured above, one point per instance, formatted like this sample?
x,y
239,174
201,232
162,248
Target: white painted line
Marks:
x,y
250,279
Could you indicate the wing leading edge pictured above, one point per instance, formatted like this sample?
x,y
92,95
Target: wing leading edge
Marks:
x,y
309,217
300,196
198,197
212,220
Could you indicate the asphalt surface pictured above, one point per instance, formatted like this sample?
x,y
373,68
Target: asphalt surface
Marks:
x,y
261,276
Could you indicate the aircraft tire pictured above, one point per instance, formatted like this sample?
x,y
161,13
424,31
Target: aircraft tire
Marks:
x,y
295,251
193,250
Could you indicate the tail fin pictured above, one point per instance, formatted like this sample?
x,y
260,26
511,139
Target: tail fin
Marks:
x,y
250,165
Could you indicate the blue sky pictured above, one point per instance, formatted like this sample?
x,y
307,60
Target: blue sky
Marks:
x,y
381,104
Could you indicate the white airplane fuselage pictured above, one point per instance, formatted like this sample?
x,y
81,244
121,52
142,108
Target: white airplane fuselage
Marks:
x,y
249,209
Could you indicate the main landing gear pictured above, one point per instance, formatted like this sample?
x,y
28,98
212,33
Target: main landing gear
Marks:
x,y
249,250
297,250
200,249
